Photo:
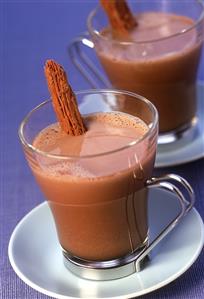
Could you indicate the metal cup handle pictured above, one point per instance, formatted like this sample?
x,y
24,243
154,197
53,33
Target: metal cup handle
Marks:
x,y
163,182
84,64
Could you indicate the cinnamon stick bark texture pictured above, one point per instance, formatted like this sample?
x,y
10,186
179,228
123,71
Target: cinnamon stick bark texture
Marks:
x,y
63,99
119,14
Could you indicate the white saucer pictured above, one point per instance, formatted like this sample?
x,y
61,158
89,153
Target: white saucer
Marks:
x,y
188,148
36,257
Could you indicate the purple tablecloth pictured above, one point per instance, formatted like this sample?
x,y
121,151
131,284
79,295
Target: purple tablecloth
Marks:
x,y
31,32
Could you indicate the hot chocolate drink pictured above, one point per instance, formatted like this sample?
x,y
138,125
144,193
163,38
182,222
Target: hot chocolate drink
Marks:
x,y
159,60
98,196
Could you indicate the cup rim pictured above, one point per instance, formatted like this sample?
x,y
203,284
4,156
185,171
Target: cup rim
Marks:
x,y
95,32
32,148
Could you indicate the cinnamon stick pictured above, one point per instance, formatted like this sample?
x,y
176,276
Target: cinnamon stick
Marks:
x,y
63,99
119,14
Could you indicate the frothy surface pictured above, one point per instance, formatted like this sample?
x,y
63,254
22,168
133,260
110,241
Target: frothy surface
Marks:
x,y
152,26
157,25
106,132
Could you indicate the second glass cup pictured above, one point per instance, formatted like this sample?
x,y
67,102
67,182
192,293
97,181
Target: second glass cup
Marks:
x,y
100,201
160,63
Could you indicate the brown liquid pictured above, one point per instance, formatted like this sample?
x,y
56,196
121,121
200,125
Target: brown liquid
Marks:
x,y
162,71
99,204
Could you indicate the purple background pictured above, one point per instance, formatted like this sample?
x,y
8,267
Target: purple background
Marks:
x,y
31,32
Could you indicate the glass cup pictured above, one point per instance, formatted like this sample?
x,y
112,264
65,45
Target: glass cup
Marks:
x,y
162,69
100,212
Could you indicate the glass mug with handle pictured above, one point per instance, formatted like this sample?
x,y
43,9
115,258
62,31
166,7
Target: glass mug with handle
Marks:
x,y
100,201
160,62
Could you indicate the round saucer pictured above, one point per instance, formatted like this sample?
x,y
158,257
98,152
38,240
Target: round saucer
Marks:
x,y
191,146
36,257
